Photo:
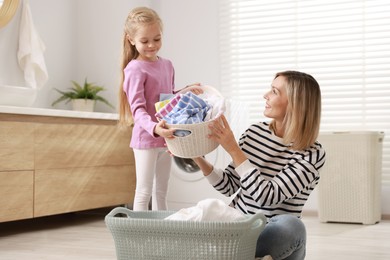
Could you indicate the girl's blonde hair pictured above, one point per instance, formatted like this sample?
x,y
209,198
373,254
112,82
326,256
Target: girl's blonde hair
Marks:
x,y
137,18
303,115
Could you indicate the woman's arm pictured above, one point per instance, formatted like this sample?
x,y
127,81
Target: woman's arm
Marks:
x,y
204,165
216,177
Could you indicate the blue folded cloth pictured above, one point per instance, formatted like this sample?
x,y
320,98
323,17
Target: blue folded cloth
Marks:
x,y
190,109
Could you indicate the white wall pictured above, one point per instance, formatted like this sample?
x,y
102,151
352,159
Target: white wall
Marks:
x,y
191,40
9,72
54,23
99,43
83,39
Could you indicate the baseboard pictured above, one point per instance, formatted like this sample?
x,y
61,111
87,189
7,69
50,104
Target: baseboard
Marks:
x,y
314,213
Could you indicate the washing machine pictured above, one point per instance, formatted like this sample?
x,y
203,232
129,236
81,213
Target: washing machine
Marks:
x,y
187,185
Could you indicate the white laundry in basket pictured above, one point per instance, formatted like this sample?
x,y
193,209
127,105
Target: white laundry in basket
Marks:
x,y
208,210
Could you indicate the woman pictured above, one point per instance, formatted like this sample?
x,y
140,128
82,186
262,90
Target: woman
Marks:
x,y
275,166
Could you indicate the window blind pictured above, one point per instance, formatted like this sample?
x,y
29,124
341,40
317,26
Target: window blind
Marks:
x,y
344,44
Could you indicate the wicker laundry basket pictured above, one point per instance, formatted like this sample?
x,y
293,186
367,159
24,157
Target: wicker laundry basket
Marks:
x,y
350,186
196,143
147,235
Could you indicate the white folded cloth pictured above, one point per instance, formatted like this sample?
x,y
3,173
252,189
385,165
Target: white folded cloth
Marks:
x,y
30,52
208,210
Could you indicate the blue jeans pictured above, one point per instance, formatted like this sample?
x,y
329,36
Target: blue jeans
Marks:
x,y
284,237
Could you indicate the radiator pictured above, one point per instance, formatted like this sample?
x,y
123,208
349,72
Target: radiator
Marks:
x,y
350,182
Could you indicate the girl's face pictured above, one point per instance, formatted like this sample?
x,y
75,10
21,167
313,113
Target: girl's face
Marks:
x,y
276,100
147,41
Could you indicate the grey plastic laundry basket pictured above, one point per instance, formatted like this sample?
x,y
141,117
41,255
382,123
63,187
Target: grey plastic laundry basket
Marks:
x,y
147,235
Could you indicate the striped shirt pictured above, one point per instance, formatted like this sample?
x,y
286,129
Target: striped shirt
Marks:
x,y
275,179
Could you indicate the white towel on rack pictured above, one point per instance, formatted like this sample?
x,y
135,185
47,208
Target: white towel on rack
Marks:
x,y
30,52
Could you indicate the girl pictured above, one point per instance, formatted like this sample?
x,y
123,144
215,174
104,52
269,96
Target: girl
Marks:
x,y
145,76
275,166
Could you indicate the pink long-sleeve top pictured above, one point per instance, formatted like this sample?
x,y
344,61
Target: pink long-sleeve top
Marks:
x,y
144,81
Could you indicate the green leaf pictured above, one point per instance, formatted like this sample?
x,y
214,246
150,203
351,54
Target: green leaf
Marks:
x,y
87,91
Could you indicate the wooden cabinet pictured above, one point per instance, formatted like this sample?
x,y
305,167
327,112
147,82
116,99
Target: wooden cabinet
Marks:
x,y
74,189
52,165
16,146
16,170
16,195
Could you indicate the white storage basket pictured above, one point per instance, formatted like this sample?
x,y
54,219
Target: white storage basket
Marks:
x,y
196,143
147,235
350,185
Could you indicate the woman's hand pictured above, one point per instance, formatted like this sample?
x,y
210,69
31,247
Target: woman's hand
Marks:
x,y
163,131
222,134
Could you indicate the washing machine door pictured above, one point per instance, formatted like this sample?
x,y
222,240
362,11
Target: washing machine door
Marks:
x,y
187,170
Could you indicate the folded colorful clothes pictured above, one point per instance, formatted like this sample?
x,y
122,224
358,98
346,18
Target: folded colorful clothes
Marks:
x,y
190,109
169,105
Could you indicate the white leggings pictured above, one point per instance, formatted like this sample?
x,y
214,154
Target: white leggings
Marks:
x,y
153,168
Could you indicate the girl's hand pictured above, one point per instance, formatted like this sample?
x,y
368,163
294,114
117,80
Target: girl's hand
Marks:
x,y
195,88
163,131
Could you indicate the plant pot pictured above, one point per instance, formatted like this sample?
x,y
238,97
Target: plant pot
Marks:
x,y
87,105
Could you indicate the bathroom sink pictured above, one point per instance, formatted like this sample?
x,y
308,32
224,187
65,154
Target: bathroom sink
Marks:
x,y
17,96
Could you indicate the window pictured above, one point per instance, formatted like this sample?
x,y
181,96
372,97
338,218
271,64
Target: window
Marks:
x,y
344,44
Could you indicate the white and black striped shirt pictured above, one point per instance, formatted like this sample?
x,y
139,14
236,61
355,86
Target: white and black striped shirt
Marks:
x,y
275,179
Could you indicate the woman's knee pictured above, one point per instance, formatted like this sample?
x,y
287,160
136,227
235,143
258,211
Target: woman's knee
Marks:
x,y
284,225
288,224
281,237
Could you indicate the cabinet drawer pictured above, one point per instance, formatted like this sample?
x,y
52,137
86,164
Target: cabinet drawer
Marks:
x,y
16,195
79,145
16,146
73,189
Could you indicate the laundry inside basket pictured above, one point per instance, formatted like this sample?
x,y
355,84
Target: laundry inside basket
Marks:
x,y
208,210
181,133
188,108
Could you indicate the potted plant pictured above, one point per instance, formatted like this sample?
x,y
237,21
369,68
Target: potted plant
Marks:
x,y
84,97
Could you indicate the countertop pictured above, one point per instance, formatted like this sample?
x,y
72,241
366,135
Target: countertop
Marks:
x,y
57,113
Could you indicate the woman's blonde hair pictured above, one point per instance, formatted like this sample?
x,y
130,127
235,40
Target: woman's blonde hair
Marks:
x,y
137,18
303,115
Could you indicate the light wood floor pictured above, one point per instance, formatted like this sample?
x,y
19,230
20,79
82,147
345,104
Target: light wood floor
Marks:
x,y
84,236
